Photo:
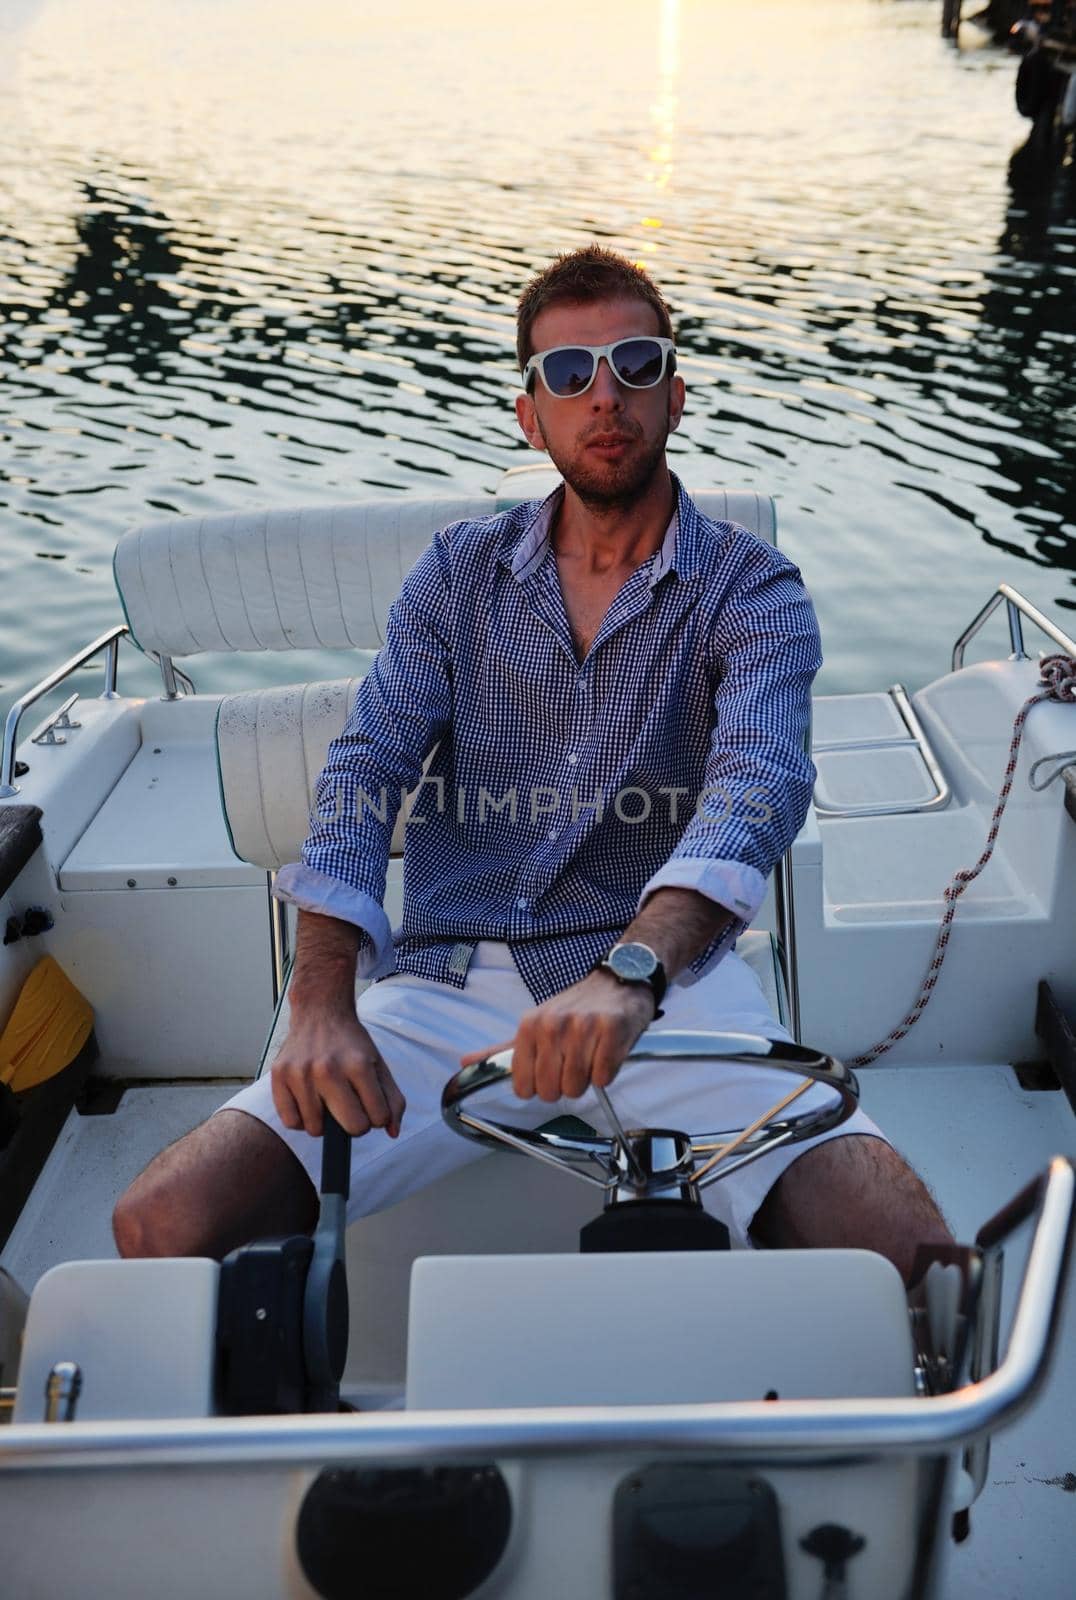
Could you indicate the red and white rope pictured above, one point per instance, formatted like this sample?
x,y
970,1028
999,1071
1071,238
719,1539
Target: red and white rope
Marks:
x,y
1058,674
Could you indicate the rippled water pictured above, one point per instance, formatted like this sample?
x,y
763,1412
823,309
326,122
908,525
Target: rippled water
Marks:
x,y
258,253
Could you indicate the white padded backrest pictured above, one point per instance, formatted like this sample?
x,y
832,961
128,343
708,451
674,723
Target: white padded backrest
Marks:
x,y
310,578
653,1329
143,1333
271,747
755,512
319,577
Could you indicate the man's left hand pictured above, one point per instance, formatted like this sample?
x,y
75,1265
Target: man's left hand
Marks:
x,y
578,1037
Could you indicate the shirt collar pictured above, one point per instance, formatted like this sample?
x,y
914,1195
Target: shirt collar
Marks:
x,y
524,554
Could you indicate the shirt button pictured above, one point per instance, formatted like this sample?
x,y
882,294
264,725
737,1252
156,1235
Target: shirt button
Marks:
x,y
552,834
522,904
572,759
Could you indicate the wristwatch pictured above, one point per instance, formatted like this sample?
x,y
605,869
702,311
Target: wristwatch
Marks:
x,y
634,963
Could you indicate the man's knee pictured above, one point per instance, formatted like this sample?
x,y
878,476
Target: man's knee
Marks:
x,y
853,1191
134,1230
230,1181
152,1218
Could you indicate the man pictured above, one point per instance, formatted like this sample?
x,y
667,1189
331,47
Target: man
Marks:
x,y
615,691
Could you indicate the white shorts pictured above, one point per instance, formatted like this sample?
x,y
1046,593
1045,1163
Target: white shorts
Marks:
x,y
422,1028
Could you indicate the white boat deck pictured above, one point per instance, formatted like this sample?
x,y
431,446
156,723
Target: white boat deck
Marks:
x,y
973,1132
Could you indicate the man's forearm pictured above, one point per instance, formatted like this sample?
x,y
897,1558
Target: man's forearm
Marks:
x,y
323,977
678,924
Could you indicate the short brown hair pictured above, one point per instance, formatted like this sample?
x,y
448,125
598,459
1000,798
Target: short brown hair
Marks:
x,y
577,277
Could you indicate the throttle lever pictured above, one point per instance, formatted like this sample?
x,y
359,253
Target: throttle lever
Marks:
x,y
325,1299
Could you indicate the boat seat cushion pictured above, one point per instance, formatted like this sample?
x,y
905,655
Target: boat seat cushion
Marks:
x,y
755,512
271,747
729,1326
309,578
306,578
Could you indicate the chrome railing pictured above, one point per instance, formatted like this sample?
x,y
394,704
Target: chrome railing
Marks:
x,y
754,1430
109,642
279,944
914,739
173,678
1018,607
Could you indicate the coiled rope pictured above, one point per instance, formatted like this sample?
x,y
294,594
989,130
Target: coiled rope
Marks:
x,y
1058,674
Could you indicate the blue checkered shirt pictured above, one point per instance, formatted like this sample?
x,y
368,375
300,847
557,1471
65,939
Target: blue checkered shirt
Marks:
x,y
560,793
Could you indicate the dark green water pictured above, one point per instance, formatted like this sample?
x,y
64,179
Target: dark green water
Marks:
x,y
259,254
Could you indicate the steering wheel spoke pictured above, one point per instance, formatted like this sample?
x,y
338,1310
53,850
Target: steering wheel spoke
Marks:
x,y
642,1163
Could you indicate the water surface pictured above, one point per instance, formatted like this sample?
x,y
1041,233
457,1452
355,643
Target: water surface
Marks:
x,y
262,254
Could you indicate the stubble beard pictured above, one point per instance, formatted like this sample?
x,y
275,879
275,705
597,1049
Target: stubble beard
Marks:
x,y
617,487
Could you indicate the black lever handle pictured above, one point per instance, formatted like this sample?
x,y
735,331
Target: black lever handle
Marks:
x,y
335,1157
325,1304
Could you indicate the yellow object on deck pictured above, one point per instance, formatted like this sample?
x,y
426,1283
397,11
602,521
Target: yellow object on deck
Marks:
x,y
47,1029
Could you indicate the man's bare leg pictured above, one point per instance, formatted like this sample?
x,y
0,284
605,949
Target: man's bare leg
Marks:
x,y
227,1182
854,1192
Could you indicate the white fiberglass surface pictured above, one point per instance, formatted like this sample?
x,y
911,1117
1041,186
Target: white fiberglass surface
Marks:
x,y
68,1215
161,826
881,868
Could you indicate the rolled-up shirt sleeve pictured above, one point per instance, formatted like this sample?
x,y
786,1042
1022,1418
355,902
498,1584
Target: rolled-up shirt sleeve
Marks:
x,y
765,651
402,708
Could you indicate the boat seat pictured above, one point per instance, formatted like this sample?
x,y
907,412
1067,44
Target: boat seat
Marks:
x,y
307,578
311,577
271,746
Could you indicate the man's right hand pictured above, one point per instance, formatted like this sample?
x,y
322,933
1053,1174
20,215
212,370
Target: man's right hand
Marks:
x,y
331,1060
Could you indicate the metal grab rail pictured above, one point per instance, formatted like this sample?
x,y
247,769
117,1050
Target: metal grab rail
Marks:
x,y
1017,606
109,641
755,1430
914,739
173,677
174,680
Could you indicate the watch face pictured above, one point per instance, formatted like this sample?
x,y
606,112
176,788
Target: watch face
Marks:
x,y
633,961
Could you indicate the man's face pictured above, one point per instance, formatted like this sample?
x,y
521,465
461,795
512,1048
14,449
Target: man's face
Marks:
x,y
609,442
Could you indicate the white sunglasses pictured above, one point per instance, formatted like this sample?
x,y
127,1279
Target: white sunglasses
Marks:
x,y
570,369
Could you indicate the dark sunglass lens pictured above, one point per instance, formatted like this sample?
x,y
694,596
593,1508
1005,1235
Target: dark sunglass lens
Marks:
x,y
568,372
639,362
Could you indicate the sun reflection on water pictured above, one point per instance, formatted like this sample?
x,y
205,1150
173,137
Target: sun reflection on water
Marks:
x,y
664,110
253,253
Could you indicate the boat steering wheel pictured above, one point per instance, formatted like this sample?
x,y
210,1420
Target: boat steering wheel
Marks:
x,y
657,1163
